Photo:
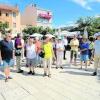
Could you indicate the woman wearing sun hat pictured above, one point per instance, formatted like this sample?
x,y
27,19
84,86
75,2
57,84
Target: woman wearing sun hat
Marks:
x,y
59,53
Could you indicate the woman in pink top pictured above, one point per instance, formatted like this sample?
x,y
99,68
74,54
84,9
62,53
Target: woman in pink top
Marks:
x,y
38,46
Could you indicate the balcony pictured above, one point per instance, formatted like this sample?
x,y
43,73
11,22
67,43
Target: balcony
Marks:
x,y
45,16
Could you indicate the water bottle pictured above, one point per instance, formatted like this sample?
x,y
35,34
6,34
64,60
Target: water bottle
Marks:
x,y
1,63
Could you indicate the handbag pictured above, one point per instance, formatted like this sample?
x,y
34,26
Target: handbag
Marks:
x,y
17,52
42,54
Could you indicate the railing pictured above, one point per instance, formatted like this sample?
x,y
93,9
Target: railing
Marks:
x,y
46,16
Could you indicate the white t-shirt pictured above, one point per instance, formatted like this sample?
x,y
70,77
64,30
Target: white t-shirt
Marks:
x,y
65,42
13,41
97,47
30,51
60,46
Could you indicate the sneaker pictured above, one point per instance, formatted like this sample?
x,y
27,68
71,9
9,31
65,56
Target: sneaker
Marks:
x,y
86,69
9,77
6,80
49,75
94,74
20,71
45,74
61,67
56,67
29,72
33,73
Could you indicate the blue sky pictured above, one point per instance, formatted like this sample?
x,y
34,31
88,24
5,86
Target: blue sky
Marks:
x,y
64,11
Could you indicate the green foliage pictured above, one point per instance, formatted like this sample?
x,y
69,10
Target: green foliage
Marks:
x,y
92,24
3,26
41,30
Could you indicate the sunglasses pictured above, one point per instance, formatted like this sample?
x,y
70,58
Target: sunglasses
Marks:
x,y
9,36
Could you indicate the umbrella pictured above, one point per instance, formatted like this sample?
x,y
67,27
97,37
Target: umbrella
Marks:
x,y
64,33
49,35
36,35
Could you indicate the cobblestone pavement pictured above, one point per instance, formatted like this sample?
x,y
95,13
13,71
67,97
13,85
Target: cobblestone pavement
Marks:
x,y
69,83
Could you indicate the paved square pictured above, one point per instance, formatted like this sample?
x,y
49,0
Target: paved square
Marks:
x,y
69,83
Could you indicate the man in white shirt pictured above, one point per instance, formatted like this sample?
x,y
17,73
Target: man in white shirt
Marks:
x,y
65,42
97,55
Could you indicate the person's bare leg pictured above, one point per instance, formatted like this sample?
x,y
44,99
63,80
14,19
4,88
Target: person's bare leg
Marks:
x,y
7,73
86,64
45,67
33,71
75,62
81,64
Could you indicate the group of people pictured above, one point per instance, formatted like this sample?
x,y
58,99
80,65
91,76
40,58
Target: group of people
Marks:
x,y
47,51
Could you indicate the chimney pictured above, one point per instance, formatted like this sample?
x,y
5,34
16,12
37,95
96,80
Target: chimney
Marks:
x,y
35,5
16,5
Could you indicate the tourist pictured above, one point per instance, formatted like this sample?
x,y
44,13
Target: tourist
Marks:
x,y
7,55
49,54
97,55
54,41
38,46
74,44
59,52
22,51
31,55
84,50
91,50
65,42
18,52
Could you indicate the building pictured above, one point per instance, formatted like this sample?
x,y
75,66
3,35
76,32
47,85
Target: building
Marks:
x,y
11,16
34,16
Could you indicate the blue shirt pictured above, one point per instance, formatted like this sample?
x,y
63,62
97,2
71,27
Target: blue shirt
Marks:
x,y
97,47
84,46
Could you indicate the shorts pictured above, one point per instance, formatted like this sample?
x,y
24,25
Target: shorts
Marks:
x,y
73,54
84,57
8,63
31,62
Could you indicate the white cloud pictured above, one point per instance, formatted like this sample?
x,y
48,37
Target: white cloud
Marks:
x,y
83,3
86,3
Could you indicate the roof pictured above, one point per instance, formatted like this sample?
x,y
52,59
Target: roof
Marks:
x,y
8,7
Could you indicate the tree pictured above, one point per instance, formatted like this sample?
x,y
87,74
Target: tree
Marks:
x,y
92,24
41,30
3,27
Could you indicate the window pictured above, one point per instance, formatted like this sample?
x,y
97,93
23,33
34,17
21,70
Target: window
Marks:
x,y
14,14
7,14
14,25
0,13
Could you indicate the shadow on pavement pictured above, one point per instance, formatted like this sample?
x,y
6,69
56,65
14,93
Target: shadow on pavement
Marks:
x,y
85,73
2,77
36,74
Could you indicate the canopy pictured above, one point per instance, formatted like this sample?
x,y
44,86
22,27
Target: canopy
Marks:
x,y
50,35
36,35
